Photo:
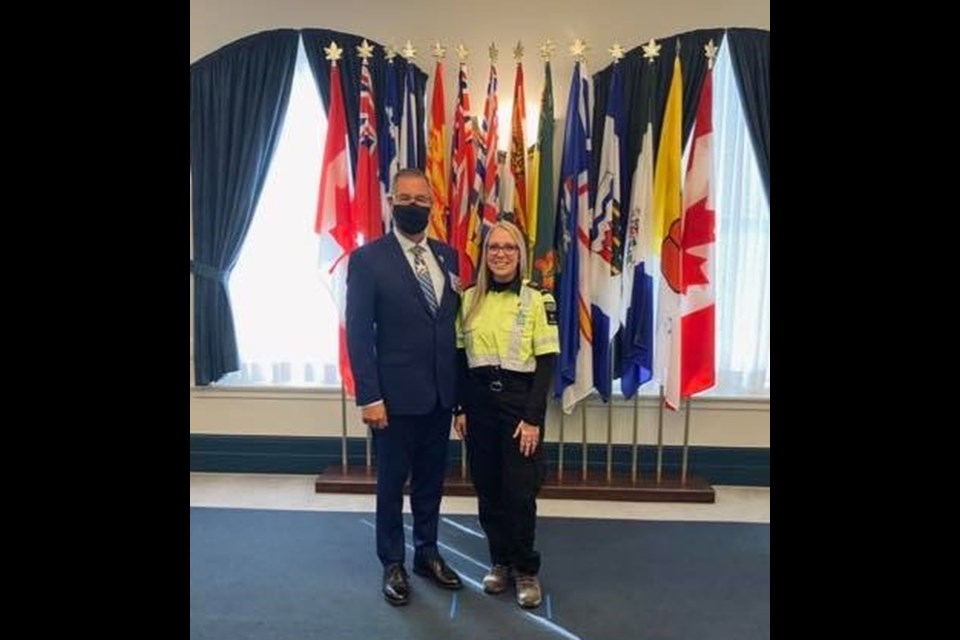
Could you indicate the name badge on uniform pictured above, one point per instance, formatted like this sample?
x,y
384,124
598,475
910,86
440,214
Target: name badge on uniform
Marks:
x,y
455,283
551,308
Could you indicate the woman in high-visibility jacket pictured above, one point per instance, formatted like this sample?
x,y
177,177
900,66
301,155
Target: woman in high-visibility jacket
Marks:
x,y
507,342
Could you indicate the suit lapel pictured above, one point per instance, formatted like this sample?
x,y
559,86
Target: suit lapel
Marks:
x,y
441,261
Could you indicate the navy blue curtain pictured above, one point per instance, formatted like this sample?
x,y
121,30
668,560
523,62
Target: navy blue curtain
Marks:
x,y
314,40
750,54
645,89
238,98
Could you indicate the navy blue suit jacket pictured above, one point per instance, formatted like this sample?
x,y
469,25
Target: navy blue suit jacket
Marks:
x,y
399,352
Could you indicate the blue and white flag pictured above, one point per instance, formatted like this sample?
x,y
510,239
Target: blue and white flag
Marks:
x,y
389,137
575,370
606,252
410,134
639,264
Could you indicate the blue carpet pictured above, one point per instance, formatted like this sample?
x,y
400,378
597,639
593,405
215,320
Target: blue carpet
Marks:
x,y
291,575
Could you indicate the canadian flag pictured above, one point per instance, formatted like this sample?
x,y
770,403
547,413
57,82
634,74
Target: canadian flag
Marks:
x,y
697,244
334,222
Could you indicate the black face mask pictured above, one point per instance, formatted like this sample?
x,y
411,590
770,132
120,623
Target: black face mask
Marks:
x,y
410,218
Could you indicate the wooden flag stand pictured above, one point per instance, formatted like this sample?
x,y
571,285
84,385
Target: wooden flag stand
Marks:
x,y
596,486
588,484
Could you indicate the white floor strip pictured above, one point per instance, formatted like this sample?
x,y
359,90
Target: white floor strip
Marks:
x,y
465,529
479,587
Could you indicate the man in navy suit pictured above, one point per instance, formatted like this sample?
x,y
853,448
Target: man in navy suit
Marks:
x,y
402,300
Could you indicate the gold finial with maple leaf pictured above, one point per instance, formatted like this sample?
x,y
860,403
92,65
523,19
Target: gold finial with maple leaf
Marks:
x,y
651,50
333,53
616,52
547,49
711,51
390,52
579,49
365,50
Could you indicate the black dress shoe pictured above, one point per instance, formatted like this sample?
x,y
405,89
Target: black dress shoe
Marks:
x,y
396,589
438,571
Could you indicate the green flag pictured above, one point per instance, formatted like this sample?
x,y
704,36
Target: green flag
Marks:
x,y
544,253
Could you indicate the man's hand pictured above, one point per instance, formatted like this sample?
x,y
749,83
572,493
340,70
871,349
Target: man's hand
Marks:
x,y
375,415
460,425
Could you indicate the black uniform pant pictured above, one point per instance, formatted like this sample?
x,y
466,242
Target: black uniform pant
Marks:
x,y
506,482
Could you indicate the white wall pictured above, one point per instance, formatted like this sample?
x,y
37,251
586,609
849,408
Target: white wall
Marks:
x,y
713,423
214,23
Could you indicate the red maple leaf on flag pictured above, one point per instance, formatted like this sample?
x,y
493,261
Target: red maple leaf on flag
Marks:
x,y
698,230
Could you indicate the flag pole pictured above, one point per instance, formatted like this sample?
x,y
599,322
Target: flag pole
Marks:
x,y
463,459
610,438
633,462
583,423
610,428
560,448
343,421
369,454
686,446
660,437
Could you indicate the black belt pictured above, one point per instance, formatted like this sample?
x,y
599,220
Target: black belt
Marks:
x,y
498,378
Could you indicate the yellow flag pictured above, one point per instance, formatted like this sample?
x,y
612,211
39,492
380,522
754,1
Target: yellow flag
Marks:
x,y
533,188
667,223
667,198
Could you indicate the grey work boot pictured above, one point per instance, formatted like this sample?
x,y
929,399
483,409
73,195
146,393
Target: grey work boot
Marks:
x,y
497,580
528,591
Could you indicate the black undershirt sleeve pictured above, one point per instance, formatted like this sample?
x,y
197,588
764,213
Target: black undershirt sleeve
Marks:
x,y
537,399
462,368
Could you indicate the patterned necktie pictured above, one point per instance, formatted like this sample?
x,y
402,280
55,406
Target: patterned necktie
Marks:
x,y
423,277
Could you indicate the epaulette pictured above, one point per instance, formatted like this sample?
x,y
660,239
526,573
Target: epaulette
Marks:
x,y
534,285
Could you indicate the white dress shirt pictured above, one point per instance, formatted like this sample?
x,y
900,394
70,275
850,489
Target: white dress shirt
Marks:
x,y
436,273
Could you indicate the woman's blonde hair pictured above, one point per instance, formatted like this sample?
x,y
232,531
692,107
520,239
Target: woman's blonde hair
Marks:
x,y
483,272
